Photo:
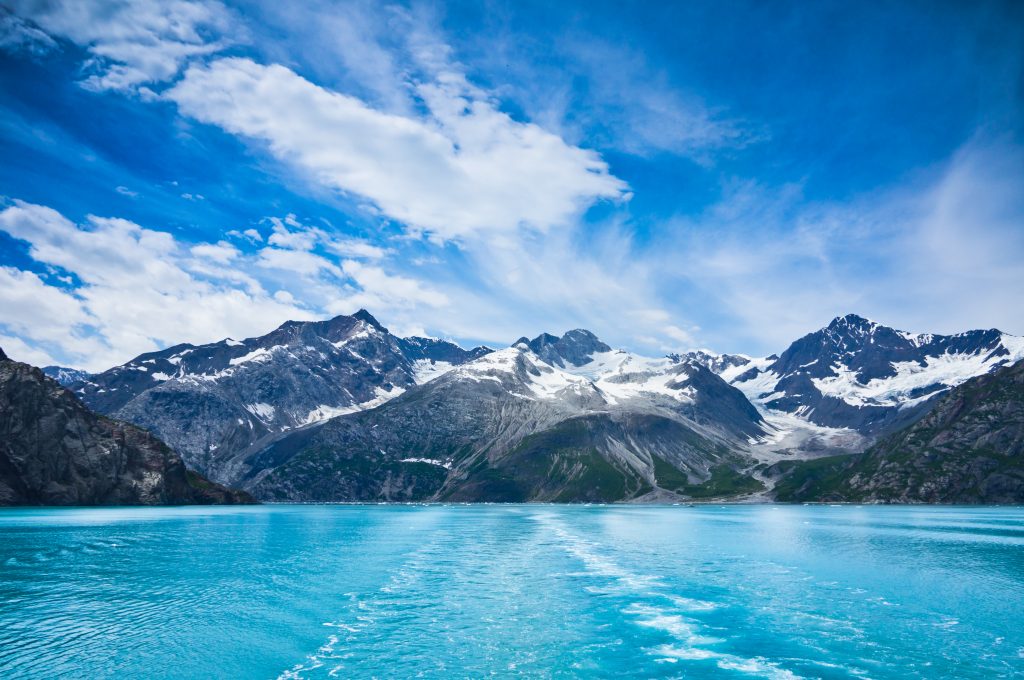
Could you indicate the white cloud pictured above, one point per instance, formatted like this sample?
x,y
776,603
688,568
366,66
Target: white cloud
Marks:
x,y
18,34
139,291
468,168
17,349
222,251
133,42
300,239
34,309
251,235
297,261
353,247
386,291
136,289
939,254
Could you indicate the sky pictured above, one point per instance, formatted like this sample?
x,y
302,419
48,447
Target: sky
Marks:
x,y
729,175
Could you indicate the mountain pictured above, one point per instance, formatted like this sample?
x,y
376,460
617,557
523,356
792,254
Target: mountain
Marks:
x,y
344,410
210,401
968,449
66,376
574,348
54,451
860,375
548,419
716,363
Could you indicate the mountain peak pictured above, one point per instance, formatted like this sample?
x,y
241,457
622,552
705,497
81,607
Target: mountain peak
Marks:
x,y
851,321
364,315
575,346
580,333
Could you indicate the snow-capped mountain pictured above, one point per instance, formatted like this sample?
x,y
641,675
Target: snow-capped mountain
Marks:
x,y
65,376
344,410
209,401
969,448
546,419
717,363
860,375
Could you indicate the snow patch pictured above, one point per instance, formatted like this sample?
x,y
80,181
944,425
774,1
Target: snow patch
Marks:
x,y
261,410
261,355
430,461
939,372
425,370
326,412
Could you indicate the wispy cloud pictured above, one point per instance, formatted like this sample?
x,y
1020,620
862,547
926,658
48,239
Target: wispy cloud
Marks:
x,y
940,253
133,42
465,168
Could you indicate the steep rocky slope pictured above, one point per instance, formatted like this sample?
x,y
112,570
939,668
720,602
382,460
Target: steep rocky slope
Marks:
x,y
968,449
54,451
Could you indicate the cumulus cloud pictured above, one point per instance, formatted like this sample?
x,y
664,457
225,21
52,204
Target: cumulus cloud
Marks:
x,y
118,289
381,290
33,309
222,251
466,168
133,42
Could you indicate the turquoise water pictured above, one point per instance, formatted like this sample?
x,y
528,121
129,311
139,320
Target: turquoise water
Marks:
x,y
536,591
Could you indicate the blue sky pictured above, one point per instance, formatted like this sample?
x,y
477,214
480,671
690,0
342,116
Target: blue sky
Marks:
x,y
669,175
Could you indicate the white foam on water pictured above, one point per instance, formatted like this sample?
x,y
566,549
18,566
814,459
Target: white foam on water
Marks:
x,y
405,576
756,666
691,604
683,653
668,620
674,624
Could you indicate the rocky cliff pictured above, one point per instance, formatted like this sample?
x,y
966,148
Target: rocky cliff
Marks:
x,y
55,451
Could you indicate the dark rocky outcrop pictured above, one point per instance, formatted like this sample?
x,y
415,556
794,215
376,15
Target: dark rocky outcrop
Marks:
x,y
55,451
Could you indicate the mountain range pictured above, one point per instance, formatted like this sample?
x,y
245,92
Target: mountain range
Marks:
x,y
343,410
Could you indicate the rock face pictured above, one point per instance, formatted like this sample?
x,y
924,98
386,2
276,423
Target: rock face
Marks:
x,y
54,451
211,401
968,449
510,426
869,378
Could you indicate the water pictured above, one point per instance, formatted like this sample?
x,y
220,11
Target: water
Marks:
x,y
536,591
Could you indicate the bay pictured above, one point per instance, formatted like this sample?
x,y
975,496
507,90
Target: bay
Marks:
x,y
316,591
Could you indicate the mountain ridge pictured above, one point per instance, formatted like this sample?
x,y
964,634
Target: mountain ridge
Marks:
x,y
243,411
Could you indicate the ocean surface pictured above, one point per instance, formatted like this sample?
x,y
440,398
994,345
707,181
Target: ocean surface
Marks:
x,y
530,590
